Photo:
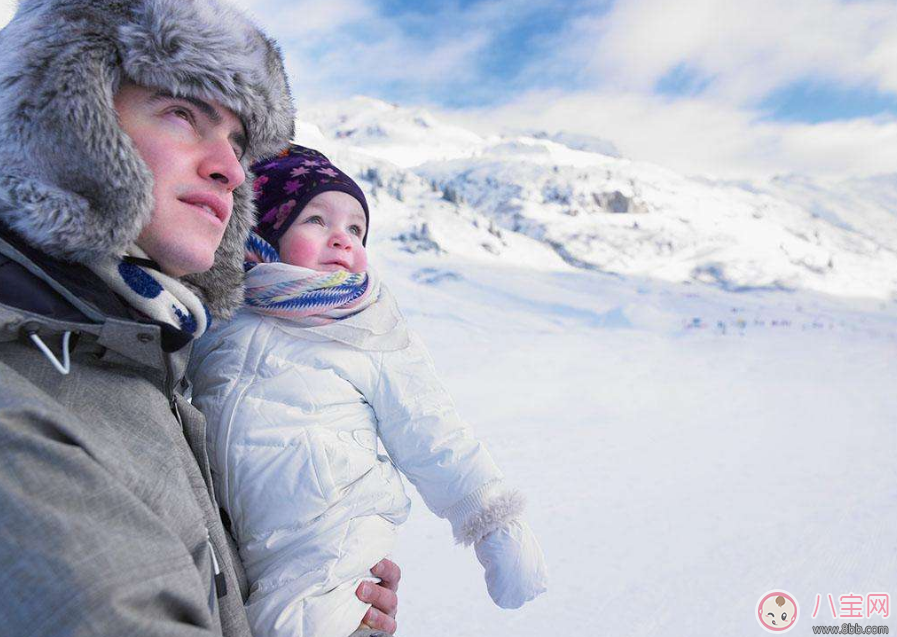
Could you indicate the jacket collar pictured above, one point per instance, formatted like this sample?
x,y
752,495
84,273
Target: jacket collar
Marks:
x,y
46,295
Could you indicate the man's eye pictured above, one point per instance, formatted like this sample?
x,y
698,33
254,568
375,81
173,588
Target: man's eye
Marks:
x,y
183,113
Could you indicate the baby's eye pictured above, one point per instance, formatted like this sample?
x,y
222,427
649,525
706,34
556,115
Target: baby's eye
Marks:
x,y
784,615
356,230
315,219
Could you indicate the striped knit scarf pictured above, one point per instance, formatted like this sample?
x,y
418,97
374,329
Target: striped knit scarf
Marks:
x,y
304,296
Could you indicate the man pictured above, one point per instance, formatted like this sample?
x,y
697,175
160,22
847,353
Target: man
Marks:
x,y
126,127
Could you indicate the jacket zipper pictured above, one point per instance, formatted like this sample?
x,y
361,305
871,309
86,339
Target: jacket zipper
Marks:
x,y
175,410
218,579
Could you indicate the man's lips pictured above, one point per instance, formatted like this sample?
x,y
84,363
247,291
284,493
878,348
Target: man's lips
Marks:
x,y
211,203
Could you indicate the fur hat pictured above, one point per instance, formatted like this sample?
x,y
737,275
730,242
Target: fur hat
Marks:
x,y
71,181
285,184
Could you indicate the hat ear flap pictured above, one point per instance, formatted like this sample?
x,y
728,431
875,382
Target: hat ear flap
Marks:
x,y
64,122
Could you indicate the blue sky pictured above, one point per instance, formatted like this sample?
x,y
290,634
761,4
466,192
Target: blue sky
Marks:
x,y
815,101
732,87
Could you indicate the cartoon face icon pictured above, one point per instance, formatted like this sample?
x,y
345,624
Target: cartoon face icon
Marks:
x,y
777,611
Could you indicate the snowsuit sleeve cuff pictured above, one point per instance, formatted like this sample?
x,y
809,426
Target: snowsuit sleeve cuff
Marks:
x,y
487,509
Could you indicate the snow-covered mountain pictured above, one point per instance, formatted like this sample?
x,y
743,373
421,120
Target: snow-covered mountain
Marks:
x,y
552,199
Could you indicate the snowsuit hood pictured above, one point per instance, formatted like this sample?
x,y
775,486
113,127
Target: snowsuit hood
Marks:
x,y
71,181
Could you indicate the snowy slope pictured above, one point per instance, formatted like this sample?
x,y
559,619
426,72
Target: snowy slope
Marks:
x,y
699,407
867,206
683,453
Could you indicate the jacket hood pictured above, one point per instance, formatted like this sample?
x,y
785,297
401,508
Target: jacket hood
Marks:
x,y
71,181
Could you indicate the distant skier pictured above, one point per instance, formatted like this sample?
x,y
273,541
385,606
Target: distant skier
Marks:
x,y
297,389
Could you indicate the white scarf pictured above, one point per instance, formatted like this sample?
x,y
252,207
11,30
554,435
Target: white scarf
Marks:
x,y
152,292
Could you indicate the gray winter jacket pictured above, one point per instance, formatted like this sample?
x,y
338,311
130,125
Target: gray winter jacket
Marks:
x,y
107,521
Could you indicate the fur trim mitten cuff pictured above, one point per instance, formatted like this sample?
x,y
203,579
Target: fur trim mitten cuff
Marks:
x,y
488,508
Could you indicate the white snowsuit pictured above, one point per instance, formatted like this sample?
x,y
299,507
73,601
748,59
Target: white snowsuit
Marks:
x,y
294,414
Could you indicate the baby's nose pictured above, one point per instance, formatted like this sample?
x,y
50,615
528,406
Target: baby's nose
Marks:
x,y
340,238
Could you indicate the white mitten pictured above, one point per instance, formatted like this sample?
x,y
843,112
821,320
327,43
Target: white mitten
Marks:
x,y
490,519
515,566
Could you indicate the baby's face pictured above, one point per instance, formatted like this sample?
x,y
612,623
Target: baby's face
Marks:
x,y
776,616
327,235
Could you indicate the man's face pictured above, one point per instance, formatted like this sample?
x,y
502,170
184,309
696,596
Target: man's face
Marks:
x,y
327,235
193,150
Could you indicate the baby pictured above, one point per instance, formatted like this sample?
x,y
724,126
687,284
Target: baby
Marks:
x,y
298,388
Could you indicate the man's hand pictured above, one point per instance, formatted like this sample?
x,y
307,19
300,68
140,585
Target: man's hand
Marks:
x,y
382,597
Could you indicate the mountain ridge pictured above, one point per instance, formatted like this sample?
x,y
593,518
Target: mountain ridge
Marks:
x,y
502,197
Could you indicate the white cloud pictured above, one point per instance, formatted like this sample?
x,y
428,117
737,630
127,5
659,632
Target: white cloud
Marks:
x,y
744,50
701,136
392,60
298,20
747,48
857,147
344,47
7,10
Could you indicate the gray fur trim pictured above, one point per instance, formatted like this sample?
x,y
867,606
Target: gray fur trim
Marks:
x,y
498,512
70,180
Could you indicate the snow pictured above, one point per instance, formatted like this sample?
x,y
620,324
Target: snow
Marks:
x,y
674,473
696,392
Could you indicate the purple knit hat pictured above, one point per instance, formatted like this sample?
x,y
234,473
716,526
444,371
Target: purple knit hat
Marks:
x,y
286,183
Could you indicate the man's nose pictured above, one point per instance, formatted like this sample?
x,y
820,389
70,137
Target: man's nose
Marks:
x,y
221,164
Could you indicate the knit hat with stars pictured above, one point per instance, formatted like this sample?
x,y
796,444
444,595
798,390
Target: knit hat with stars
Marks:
x,y
286,183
